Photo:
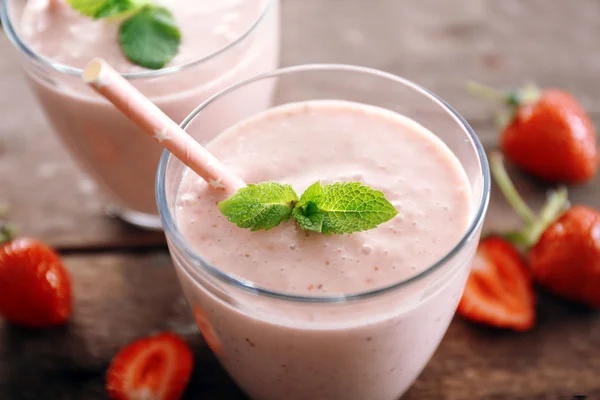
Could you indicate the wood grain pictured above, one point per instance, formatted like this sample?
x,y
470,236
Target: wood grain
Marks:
x,y
122,297
118,298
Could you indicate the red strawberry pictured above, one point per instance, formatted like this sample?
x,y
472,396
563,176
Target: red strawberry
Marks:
x,y
157,367
35,289
499,290
549,135
564,250
566,259
208,333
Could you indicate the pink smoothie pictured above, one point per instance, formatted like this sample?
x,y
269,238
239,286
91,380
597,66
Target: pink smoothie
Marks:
x,y
372,348
121,160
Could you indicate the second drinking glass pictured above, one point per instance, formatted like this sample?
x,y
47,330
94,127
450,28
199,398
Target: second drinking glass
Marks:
x,y
222,42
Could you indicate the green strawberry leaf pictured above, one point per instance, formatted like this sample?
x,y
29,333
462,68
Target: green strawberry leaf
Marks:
x,y
261,206
150,38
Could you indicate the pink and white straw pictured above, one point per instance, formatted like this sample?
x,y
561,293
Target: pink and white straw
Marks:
x,y
139,109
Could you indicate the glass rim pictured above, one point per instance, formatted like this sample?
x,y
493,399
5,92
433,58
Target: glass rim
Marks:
x,y
183,245
72,71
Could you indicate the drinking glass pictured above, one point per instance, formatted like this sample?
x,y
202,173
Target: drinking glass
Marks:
x,y
357,346
100,138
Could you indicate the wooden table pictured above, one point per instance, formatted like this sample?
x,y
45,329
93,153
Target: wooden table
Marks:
x,y
125,285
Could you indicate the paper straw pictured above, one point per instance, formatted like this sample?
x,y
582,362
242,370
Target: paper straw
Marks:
x,y
141,111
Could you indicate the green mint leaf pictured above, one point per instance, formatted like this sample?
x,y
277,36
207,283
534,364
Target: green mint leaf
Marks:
x,y
150,38
349,207
314,193
307,213
116,8
105,8
309,217
261,206
88,8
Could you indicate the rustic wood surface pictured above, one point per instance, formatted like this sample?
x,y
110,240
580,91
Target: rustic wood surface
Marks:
x,y
125,285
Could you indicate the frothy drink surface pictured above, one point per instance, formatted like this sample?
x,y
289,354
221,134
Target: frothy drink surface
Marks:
x,y
54,29
332,141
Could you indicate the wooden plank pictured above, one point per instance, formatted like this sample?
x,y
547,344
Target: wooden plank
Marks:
x,y
123,297
442,44
558,359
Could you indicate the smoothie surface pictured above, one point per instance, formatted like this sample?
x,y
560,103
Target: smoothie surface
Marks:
x,y
55,30
331,141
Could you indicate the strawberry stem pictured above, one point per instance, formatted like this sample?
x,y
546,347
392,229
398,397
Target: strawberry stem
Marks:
x,y
7,230
509,191
7,233
555,205
487,92
534,226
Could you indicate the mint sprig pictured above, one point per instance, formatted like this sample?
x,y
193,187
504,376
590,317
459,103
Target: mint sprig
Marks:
x,y
261,206
148,36
338,208
98,9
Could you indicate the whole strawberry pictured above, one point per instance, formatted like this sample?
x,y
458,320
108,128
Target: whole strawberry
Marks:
x,y
548,134
563,243
566,258
35,290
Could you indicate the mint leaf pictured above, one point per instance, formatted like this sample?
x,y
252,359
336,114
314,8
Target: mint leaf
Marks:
x,y
314,193
150,38
344,207
105,8
309,217
347,207
115,8
307,213
261,206
88,8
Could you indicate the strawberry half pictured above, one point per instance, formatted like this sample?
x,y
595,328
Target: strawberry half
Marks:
x,y
35,289
208,333
499,291
566,259
157,367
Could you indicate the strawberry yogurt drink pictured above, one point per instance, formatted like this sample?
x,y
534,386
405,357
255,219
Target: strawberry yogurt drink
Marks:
x,y
222,42
300,315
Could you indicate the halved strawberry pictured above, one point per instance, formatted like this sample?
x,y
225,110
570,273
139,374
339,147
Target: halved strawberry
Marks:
x,y
157,367
499,291
207,331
